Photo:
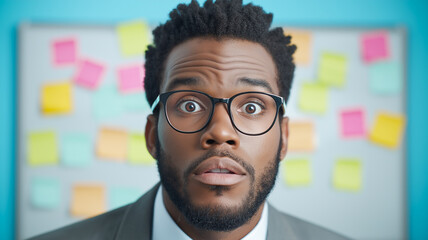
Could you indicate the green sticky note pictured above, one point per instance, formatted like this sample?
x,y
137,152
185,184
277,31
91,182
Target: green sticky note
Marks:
x,y
332,69
137,150
120,196
313,98
77,150
347,175
386,77
135,102
297,172
45,193
133,37
42,148
107,102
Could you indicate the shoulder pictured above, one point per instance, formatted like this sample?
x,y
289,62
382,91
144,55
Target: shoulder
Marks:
x,y
282,224
103,226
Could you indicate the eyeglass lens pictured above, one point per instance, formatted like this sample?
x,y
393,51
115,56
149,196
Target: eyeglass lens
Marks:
x,y
251,113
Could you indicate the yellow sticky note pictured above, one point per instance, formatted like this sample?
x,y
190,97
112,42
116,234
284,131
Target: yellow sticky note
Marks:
x,y
332,69
303,42
297,172
347,174
388,130
56,98
301,137
137,150
87,200
133,37
112,144
42,148
313,98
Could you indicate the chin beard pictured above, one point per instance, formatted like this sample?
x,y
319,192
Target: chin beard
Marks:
x,y
216,217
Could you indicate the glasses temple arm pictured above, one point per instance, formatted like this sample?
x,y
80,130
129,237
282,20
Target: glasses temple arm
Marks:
x,y
155,103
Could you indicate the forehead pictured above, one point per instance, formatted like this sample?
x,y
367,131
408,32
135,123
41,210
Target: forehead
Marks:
x,y
205,62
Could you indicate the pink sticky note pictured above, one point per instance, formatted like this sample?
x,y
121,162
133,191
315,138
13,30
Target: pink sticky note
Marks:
x,y
375,46
89,74
352,122
131,78
64,51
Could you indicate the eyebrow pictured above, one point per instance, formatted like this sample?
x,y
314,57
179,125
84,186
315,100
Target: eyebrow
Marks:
x,y
192,81
256,82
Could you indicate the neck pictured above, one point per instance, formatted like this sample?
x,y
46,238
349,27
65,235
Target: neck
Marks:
x,y
196,233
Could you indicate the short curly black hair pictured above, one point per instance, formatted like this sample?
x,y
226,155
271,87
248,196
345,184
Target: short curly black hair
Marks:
x,y
222,19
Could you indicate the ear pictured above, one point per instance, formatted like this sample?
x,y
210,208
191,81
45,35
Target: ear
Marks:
x,y
284,135
151,135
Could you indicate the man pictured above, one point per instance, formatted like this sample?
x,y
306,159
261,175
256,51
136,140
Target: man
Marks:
x,y
217,79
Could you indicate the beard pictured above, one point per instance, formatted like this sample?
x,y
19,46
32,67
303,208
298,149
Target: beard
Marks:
x,y
217,217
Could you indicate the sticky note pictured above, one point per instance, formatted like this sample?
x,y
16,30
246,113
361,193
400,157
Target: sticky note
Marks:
x,y
135,102
131,78
303,42
301,136
137,150
45,193
42,148
76,150
89,74
332,69
133,37
120,196
56,98
313,98
352,123
64,51
388,130
87,200
375,46
297,172
347,174
112,144
386,78
107,103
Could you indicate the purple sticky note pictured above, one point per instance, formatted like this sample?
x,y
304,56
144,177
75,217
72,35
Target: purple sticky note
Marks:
x,y
352,122
131,78
64,51
375,46
89,74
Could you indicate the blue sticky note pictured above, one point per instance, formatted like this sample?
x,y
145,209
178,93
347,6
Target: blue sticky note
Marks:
x,y
135,102
107,102
119,196
77,150
45,193
386,77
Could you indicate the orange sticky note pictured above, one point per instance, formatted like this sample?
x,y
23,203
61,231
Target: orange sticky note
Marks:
x,y
87,200
112,144
56,98
303,42
301,137
388,130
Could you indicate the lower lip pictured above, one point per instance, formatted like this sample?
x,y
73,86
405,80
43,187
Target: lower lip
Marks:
x,y
219,179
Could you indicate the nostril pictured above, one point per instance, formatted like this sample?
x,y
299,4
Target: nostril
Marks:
x,y
210,141
231,142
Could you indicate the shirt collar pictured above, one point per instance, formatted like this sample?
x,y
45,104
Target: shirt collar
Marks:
x,y
164,226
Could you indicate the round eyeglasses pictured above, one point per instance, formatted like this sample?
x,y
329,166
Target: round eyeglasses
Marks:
x,y
251,113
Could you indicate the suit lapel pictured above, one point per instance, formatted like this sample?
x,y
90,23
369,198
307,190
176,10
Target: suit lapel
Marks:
x,y
278,226
137,222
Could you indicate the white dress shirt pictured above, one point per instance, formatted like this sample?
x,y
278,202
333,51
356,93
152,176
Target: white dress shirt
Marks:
x,y
164,227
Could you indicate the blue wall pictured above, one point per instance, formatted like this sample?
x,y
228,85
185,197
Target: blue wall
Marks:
x,y
409,13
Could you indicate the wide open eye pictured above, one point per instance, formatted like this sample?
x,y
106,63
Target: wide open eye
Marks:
x,y
251,108
190,106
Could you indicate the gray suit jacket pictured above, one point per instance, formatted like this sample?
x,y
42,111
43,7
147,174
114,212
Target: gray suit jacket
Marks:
x,y
134,221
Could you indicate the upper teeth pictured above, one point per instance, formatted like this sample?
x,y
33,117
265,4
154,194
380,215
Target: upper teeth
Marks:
x,y
220,170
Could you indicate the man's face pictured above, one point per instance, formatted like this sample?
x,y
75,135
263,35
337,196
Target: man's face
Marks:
x,y
187,162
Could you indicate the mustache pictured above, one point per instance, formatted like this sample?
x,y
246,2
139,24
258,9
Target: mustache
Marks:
x,y
219,153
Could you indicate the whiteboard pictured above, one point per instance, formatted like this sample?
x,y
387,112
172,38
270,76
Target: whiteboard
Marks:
x,y
377,211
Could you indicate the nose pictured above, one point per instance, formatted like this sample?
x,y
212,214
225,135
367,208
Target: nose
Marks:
x,y
220,130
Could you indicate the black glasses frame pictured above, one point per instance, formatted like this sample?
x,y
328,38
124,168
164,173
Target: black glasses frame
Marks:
x,y
163,97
